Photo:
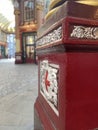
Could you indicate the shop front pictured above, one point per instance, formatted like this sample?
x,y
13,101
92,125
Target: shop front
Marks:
x,y
28,48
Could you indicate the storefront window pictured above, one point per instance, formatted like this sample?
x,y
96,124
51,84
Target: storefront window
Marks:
x,y
28,10
30,39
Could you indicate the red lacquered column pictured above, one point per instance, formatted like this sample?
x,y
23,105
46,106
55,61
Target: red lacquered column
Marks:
x,y
68,76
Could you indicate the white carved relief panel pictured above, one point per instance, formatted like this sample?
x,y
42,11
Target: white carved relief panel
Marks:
x,y
49,83
83,32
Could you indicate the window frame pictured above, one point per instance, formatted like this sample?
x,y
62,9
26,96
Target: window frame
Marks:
x,y
29,13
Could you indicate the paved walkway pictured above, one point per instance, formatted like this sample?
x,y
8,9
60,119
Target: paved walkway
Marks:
x,y
18,91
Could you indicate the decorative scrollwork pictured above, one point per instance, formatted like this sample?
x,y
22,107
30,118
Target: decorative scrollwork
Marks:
x,y
49,83
53,36
82,32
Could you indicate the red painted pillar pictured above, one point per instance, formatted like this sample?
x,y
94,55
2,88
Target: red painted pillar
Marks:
x,y
68,76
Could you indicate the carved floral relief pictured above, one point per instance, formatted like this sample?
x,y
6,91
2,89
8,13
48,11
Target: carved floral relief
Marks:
x,y
49,83
83,32
53,36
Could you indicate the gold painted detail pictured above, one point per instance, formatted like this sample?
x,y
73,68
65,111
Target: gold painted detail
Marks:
x,y
16,12
53,36
82,32
96,14
51,12
53,3
29,27
40,7
88,2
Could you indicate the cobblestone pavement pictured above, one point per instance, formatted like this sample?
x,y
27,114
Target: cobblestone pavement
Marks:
x,y
18,92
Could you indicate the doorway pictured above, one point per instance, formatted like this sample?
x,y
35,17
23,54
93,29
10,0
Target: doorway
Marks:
x,y
28,48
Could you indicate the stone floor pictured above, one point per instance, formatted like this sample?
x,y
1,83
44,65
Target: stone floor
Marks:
x,y
18,92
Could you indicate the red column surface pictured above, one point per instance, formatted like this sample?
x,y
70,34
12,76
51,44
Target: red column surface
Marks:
x,y
82,91
77,79
77,91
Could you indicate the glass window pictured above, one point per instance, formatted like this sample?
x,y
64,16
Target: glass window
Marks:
x,y
28,10
30,40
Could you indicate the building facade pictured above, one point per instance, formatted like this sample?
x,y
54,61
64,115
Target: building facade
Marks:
x,y
3,44
29,17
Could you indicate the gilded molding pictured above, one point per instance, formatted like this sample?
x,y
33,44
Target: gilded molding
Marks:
x,y
16,11
40,7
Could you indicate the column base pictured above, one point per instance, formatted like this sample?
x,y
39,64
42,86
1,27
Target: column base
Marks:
x,y
42,120
18,58
37,121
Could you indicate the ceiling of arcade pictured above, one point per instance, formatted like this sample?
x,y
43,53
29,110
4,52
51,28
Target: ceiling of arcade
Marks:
x,y
7,20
